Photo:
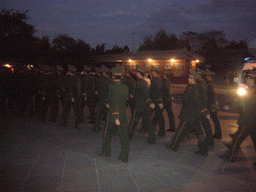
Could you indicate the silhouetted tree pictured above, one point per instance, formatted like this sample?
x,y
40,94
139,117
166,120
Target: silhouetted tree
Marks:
x,y
237,45
16,36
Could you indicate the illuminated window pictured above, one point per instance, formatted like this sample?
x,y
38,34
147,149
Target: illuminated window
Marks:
x,y
147,65
179,65
127,66
156,65
168,65
134,65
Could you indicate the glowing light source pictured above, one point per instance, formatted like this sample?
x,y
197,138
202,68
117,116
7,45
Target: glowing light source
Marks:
x,y
150,60
130,60
8,66
241,91
197,61
172,60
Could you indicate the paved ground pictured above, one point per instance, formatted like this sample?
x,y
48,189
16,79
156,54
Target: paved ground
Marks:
x,y
44,156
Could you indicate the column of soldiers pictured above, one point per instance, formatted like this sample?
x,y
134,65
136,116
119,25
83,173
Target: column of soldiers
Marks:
x,y
53,88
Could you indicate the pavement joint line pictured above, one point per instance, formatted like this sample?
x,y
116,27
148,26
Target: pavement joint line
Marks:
x,y
138,189
63,171
97,173
224,167
29,172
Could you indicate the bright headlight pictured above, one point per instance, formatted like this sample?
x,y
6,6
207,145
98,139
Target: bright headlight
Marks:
x,y
241,91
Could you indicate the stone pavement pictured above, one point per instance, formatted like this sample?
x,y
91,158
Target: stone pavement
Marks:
x,y
44,156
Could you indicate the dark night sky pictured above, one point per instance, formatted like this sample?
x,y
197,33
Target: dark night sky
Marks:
x,y
113,21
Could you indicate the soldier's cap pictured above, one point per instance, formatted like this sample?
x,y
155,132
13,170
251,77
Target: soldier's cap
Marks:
x,y
117,70
97,69
59,68
72,68
140,69
167,72
86,68
155,69
105,69
194,75
252,74
210,72
201,72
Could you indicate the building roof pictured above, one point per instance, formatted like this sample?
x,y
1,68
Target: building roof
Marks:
x,y
145,55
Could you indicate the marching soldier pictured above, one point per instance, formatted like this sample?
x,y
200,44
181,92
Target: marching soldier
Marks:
x,y
202,87
213,103
155,93
143,107
191,117
167,99
103,94
48,94
131,83
60,85
71,97
247,121
117,117
87,94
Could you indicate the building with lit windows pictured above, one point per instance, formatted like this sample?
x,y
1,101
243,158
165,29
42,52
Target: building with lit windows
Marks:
x,y
178,62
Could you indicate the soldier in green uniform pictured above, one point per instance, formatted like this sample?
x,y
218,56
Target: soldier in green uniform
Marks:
x,y
103,94
143,107
131,83
203,92
155,93
167,99
60,86
48,93
213,103
247,121
117,117
87,94
191,117
71,97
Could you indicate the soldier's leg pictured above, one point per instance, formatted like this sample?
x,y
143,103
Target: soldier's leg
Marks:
x,y
171,117
99,113
66,112
216,122
110,130
183,128
151,130
239,137
208,131
91,106
53,103
202,141
133,124
44,108
123,135
160,120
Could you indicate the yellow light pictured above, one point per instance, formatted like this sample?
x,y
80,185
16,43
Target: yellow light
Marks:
x,y
197,61
150,60
172,60
241,91
130,60
7,65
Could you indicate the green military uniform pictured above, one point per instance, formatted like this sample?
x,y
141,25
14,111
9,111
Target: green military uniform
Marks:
x,y
142,109
202,87
167,100
131,83
103,94
118,93
71,97
87,94
247,122
155,93
191,117
213,106
48,93
60,86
